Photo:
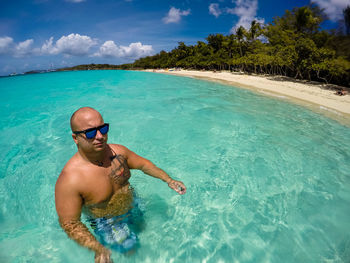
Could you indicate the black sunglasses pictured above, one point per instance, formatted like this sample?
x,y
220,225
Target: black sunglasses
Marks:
x,y
91,132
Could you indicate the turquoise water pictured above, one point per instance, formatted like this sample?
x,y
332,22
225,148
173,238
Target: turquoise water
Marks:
x,y
267,181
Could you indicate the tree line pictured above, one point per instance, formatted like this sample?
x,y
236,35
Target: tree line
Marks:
x,y
293,45
92,67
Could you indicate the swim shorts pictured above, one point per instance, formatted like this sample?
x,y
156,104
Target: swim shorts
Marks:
x,y
117,232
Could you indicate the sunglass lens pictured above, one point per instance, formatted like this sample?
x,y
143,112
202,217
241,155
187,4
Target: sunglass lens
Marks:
x,y
91,134
104,129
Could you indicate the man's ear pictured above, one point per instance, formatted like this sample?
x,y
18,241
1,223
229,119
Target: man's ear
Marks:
x,y
74,136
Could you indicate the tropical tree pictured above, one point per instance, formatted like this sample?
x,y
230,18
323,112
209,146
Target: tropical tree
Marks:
x,y
293,46
255,30
240,34
346,13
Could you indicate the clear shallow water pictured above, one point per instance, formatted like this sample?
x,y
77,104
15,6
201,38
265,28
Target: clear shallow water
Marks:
x,y
267,181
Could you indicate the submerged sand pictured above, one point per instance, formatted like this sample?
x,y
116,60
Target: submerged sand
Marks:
x,y
317,94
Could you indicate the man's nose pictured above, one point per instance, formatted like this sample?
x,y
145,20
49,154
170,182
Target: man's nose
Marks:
x,y
98,135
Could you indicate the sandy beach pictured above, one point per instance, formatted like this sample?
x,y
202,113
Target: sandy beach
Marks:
x,y
300,92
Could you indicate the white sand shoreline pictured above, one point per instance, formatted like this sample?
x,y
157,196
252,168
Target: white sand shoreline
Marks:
x,y
311,93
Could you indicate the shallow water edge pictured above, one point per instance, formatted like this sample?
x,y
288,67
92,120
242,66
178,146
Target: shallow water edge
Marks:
x,y
340,117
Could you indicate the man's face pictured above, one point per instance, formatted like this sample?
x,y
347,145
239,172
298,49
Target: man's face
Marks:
x,y
87,120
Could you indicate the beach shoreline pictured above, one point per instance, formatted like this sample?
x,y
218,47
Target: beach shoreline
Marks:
x,y
311,94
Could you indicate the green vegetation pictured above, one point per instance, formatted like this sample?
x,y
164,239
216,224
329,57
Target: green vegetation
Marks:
x,y
95,67
292,45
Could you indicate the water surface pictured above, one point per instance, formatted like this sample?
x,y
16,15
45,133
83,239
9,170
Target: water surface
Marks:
x,y
268,181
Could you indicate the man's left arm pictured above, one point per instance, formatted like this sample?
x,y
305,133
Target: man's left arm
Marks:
x,y
137,162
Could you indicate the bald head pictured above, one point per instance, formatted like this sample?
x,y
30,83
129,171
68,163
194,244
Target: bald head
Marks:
x,y
84,117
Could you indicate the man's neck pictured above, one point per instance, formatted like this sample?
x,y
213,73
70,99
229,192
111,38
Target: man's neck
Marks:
x,y
97,158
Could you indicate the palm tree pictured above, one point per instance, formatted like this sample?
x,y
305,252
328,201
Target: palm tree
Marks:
x,y
240,33
346,13
215,41
254,30
308,19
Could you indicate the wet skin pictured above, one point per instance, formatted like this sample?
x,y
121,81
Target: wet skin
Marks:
x,y
112,194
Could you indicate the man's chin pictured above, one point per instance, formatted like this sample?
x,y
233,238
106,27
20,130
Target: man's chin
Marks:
x,y
100,146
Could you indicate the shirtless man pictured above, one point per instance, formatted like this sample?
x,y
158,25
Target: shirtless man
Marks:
x,y
96,180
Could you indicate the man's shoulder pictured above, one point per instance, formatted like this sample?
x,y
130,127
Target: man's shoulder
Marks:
x,y
73,164
118,148
71,171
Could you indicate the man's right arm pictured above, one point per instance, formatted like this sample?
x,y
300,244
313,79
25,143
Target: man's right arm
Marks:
x,y
68,207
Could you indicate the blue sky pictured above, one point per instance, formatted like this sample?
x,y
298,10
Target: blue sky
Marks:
x,y
43,34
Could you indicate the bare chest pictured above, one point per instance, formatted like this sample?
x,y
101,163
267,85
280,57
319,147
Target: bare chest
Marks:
x,y
103,183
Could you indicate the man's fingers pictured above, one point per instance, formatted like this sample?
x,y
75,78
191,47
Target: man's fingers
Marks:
x,y
103,258
178,186
182,186
108,258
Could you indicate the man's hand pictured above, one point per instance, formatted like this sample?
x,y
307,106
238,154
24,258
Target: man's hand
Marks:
x,y
177,186
103,256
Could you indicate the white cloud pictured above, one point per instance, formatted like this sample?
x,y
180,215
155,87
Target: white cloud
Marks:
x,y
246,11
333,8
9,47
174,15
6,45
73,44
47,47
214,9
108,49
134,50
24,48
